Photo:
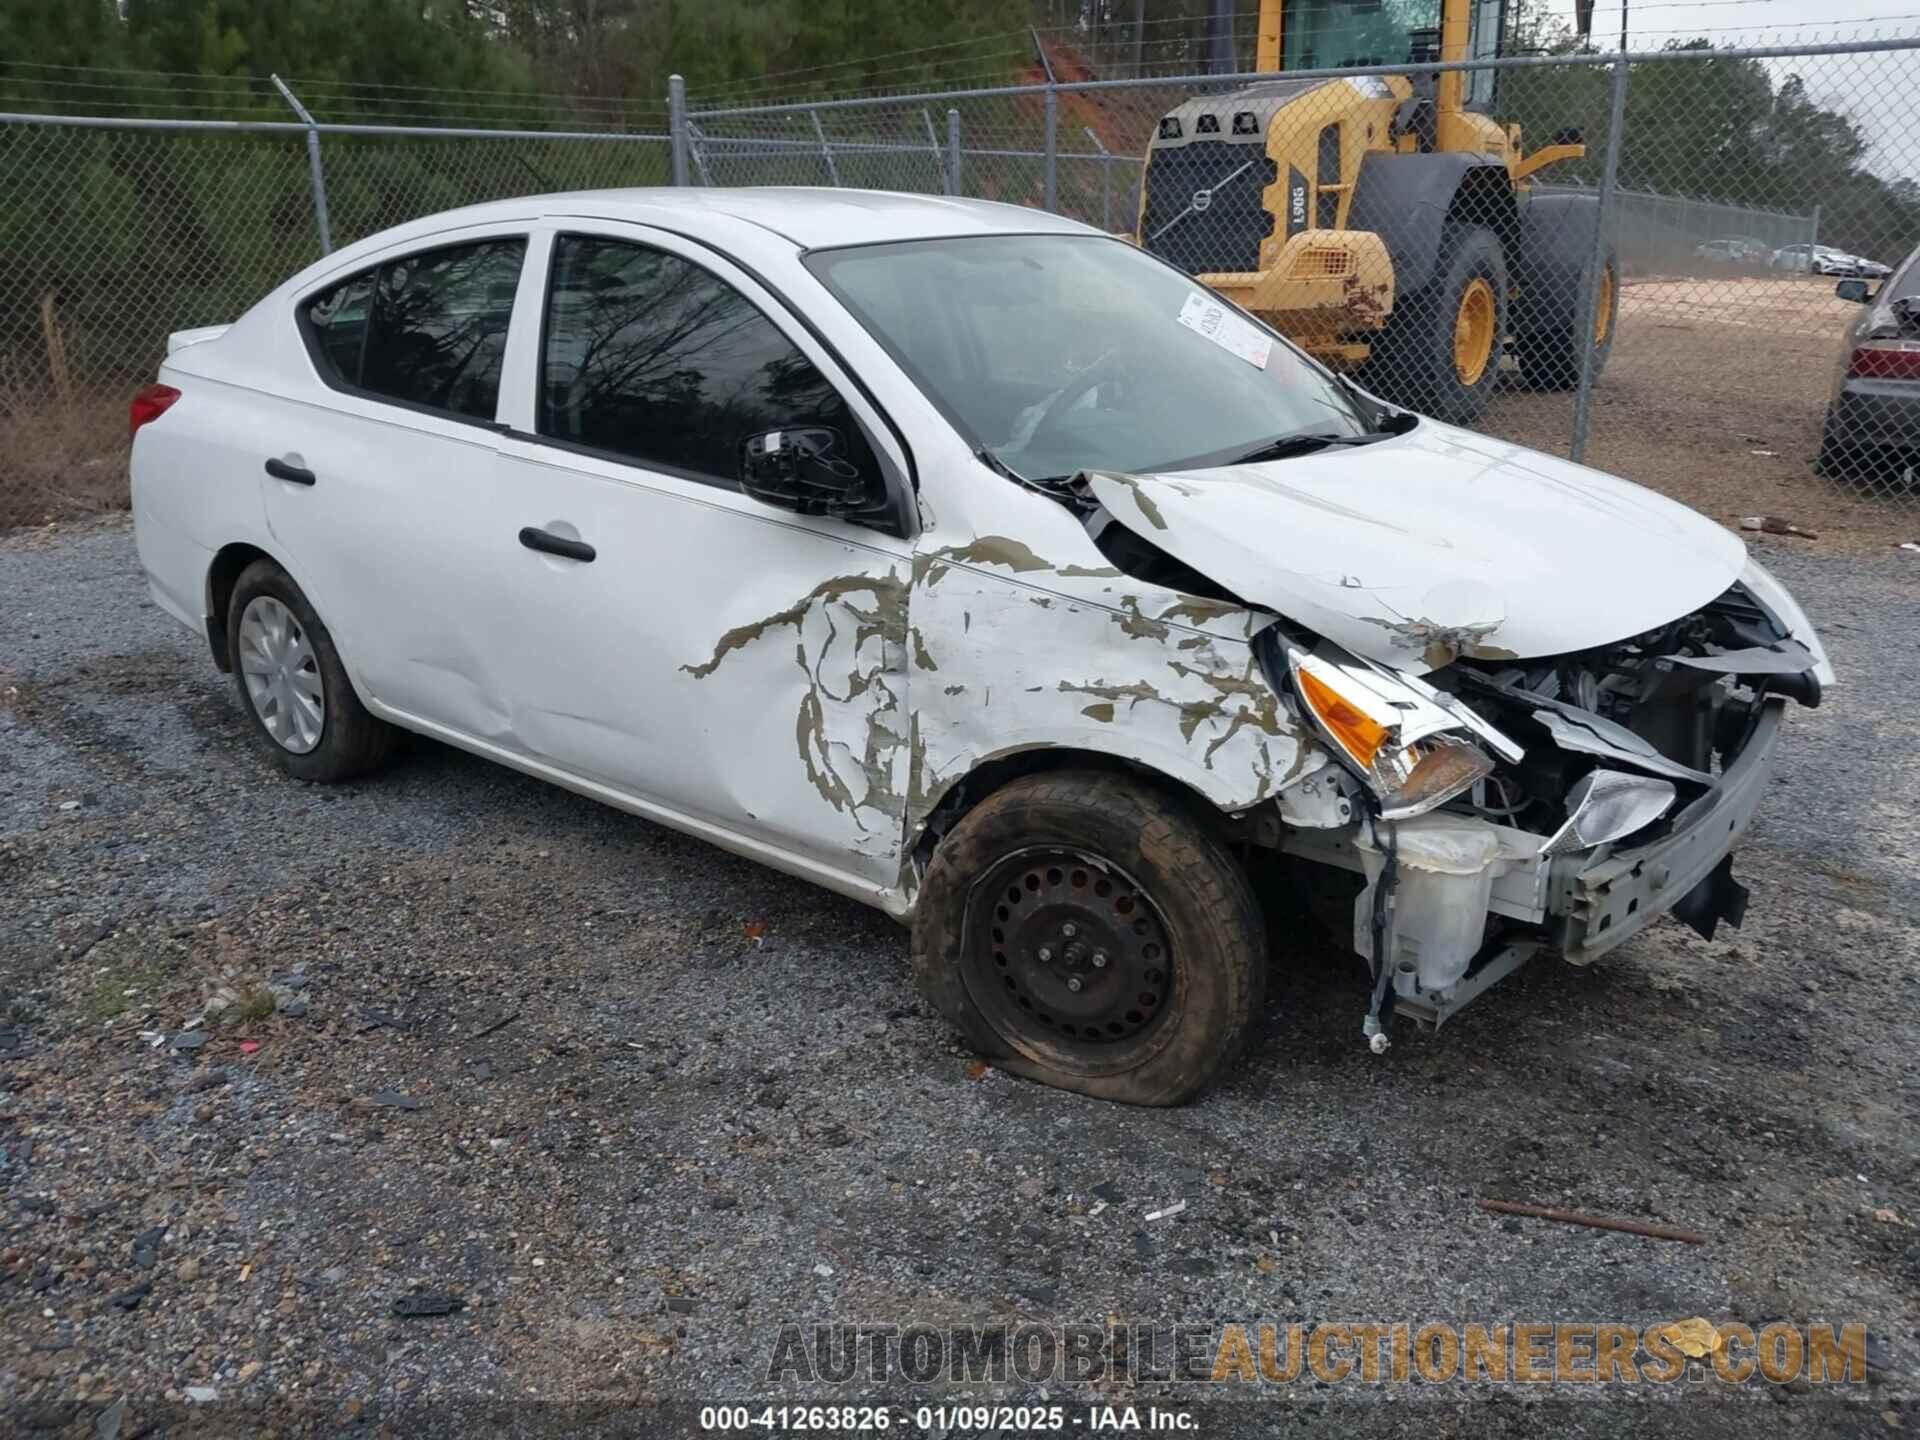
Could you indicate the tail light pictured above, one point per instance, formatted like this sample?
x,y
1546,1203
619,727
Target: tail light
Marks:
x,y
150,402
1885,360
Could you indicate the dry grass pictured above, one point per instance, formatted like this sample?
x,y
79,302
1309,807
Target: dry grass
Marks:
x,y
60,458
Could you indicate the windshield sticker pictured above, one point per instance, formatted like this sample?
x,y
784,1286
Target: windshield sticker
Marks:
x,y
1227,330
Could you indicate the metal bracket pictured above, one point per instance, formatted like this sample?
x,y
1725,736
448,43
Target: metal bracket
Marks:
x,y
1494,967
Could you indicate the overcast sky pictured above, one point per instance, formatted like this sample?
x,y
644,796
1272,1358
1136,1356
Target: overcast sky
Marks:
x,y
1880,92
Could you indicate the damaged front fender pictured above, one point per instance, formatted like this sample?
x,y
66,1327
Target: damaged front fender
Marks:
x,y
1085,658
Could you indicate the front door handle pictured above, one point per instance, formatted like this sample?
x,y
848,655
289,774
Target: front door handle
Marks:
x,y
556,544
292,474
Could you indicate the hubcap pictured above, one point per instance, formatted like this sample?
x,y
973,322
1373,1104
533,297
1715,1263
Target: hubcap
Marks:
x,y
282,675
1067,952
1603,308
1473,332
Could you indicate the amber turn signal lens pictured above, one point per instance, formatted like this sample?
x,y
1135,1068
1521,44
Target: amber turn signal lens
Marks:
x,y
1359,735
1444,769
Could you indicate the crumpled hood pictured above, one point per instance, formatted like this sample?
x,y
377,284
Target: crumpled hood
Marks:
x,y
1436,542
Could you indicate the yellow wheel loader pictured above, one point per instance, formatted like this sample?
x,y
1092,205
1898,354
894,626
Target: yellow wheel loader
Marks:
x,y
1385,223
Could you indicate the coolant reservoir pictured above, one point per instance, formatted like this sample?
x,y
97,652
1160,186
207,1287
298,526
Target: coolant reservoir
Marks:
x,y
1447,865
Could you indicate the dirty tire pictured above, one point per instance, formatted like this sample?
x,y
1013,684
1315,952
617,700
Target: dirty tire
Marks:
x,y
1212,924
1414,363
1544,347
352,742
1840,458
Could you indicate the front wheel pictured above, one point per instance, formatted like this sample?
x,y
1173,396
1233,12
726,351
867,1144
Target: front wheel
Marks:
x,y
1547,341
1440,352
1086,932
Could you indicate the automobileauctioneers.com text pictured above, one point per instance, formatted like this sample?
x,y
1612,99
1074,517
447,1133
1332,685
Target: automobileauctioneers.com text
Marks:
x,y
1332,1353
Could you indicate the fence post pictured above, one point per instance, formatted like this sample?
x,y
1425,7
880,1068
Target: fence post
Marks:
x,y
1052,191
826,150
1106,180
677,125
1813,234
317,173
953,153
1596,263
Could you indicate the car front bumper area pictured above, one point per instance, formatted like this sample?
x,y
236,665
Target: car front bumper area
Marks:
x,y
1601,903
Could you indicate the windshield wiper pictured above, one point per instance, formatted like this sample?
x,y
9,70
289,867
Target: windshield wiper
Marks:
x,y
1285,447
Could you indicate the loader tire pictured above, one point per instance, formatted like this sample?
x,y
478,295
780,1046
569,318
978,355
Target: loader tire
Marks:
x,y
1088,932
1440,353
1544,345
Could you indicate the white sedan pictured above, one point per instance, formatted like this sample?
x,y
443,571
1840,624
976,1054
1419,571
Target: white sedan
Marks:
x,y
1825,260
984,568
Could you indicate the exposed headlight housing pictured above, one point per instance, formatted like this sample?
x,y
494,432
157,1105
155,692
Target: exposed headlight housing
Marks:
x,y
1606,805
1410,744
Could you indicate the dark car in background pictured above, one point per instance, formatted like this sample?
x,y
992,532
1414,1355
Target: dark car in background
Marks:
x,y
1872,430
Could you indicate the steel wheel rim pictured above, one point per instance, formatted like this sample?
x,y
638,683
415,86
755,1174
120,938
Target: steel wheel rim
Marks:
x,y
1473,332
1101,929
1603,308
281,671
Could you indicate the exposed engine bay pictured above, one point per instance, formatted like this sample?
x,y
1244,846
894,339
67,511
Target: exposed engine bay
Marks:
x,y
1630,769
1677,702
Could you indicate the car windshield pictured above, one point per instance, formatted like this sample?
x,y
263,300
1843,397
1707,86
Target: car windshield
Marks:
x,y
1059,353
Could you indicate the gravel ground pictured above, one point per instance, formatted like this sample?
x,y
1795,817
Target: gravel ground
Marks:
x,y
634,1103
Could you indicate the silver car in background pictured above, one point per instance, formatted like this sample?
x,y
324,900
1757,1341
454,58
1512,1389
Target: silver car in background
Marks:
x,y
1825,260
1872,430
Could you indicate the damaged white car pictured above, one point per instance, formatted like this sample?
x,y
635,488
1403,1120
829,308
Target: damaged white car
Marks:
x,y
979,566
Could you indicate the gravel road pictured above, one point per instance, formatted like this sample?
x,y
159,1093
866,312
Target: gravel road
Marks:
x,y
633,1103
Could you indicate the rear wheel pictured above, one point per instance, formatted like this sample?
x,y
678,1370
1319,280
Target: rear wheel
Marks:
x,y
1840,458
1440,352
292,685
1545,345
1084,932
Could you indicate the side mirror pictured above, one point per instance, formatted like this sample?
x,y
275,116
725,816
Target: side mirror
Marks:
x,y
807,470
1854,290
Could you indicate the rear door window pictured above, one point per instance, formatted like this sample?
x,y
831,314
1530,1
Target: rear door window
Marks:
x,y
653,359
427,330
440,327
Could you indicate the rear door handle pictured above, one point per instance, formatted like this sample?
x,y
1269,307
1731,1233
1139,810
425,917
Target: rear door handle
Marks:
x,y
292,474
556,545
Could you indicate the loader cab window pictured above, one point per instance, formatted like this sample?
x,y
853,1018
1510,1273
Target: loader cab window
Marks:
x,y
1330,34
1483,43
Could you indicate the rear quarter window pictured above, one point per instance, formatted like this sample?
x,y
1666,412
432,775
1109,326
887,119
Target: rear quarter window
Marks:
x,y
336,323
427,330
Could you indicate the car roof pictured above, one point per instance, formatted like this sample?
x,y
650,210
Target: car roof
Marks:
x,y
811,218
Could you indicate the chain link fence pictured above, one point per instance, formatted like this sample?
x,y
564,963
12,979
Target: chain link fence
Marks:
x,y
115,233
1633,260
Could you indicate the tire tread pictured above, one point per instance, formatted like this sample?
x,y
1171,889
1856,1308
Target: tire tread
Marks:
x,y
1172,841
